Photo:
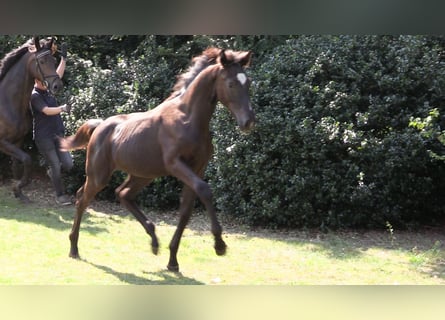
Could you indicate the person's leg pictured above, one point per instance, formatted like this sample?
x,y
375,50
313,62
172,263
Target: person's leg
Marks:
x,y
66,160
49,152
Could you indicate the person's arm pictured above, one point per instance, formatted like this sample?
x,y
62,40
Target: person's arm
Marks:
x,y
52,111
61,68
62,64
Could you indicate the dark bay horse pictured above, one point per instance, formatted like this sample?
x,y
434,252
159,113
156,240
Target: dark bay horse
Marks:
x,y
171,139
18,69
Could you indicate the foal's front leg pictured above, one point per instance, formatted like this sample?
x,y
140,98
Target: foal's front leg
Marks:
x,y
180,170
185,211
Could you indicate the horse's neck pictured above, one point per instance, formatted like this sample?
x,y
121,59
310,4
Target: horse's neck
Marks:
x,y
200,99
18,82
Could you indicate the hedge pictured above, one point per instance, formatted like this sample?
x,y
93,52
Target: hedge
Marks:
x,y
333,147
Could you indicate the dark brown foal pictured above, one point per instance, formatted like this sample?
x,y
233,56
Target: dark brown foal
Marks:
x,y
171,139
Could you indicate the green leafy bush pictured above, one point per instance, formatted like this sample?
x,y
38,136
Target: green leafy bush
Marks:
x,y
333,147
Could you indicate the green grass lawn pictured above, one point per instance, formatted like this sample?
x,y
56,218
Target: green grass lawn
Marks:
x,y
114,249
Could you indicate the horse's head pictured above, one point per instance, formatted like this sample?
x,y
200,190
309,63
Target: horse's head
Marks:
x,y
45,65
232,87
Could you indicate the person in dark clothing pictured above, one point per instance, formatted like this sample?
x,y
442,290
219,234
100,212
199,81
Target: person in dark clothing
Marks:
x,y
47,127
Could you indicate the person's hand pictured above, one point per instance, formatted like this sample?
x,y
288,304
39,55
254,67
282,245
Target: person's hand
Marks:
x,y
63,51
66,108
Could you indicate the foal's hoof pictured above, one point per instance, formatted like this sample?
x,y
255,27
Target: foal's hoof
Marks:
x,y
220,247
74,255
174,268
154,240
155,246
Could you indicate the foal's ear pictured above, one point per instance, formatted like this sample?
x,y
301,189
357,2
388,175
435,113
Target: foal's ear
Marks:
x,y
223,58
241,57
245,58
37,43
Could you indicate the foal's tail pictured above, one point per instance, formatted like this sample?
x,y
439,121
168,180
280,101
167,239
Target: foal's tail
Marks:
x,y
82,136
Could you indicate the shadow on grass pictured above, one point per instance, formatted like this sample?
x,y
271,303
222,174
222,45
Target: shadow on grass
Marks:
x,y
165,277
57,218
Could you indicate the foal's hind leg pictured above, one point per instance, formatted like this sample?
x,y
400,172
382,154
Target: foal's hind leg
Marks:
x,y
84,196
127,193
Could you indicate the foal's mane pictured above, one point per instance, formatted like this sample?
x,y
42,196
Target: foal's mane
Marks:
x,y
12,57
199,63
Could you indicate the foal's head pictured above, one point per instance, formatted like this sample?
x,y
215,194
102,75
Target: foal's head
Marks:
x,y
232,86
43,65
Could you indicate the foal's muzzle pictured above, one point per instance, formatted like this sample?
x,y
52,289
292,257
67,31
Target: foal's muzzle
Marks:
x,y
246,121
247,125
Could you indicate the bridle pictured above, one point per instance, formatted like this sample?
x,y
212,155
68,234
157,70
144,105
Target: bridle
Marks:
x,y
39,69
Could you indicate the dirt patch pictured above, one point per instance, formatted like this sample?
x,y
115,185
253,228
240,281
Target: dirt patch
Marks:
x,y
41,194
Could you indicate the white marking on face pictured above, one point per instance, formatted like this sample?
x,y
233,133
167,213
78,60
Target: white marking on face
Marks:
x,y
241,78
